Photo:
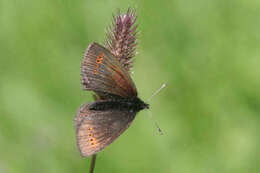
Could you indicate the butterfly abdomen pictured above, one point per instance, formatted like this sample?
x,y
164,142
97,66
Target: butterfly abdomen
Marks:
x,y
131,104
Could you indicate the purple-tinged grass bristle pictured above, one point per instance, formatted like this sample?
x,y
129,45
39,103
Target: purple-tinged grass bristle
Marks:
x,y
121,37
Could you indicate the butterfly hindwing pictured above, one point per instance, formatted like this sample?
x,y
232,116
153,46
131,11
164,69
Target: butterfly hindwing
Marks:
x,y
102,72
97,129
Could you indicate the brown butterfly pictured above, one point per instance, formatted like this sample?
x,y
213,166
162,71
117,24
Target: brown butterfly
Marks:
x,y
99,123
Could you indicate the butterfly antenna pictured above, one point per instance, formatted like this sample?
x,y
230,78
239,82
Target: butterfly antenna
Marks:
x,y
155,122
156,92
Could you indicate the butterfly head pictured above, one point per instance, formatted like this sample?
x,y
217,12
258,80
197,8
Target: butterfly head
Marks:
x,y
145,105
141,104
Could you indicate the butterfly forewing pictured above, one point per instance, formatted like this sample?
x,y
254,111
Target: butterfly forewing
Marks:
x,y
97,129
101,72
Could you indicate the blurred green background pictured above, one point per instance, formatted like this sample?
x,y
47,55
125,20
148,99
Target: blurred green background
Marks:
x,y
207,51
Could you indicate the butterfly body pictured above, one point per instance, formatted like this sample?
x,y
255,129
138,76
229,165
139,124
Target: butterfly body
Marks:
x,y
132,104
99,123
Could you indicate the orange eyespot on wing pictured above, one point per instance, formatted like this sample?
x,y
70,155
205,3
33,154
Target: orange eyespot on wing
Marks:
x,y
100,58
98,62
95,71
102,72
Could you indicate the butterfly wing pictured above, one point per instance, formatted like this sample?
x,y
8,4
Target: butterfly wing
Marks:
x,y
97,129
101,72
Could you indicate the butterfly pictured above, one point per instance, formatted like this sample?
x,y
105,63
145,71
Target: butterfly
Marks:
x,y
99,123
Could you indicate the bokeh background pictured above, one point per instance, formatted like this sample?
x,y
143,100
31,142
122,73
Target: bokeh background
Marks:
x,y
207,51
